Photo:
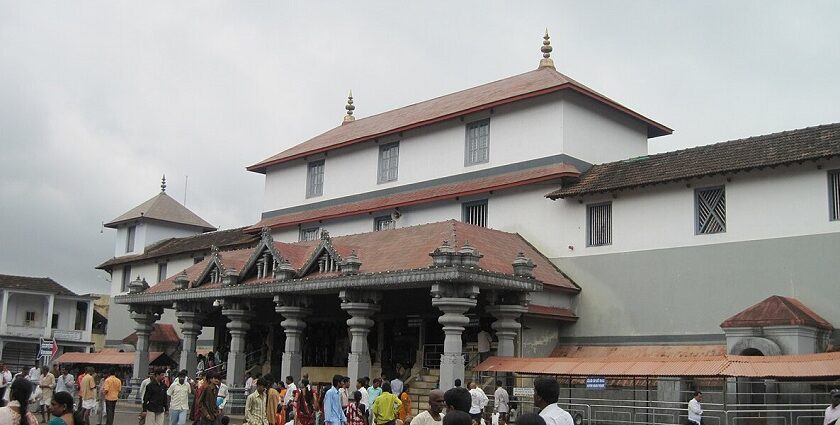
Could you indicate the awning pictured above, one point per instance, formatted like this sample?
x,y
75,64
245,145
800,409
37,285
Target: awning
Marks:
x,y
821,365
550,312
113,358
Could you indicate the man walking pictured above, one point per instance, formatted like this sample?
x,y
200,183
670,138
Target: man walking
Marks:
x,y
65,383
397,385
290,391
111,390
477,403
695,410
87,392
47,385
501,401
386,407
208,412
179,399
154,401
333,413
255,405
546,393
483,344
432,415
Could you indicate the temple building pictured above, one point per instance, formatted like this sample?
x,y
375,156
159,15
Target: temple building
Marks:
x,y
528,207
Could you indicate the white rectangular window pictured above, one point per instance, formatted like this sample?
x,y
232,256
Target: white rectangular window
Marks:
x,y
710,210
475,213
384,222
315,179
126,277
309,234
834,195
599,224
477,149
129,239
161,272
389,161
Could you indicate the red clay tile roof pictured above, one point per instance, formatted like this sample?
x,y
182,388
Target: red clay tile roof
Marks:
x,y
757,152
161,332
113,358
42,284
227,239
800,366
530,84
400,249
551,312
637,351
777,311
163,208
430,194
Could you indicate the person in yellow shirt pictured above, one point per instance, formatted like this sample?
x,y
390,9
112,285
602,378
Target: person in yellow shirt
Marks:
x,y
386,406
87,392
111,390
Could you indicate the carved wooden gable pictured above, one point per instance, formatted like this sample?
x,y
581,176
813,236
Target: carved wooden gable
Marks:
x,y
213,272
264,260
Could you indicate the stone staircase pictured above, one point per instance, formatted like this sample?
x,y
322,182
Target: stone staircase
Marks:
x,y
420,387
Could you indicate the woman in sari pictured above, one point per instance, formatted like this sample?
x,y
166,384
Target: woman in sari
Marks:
x,y
62,409
305,405
16,413
405,410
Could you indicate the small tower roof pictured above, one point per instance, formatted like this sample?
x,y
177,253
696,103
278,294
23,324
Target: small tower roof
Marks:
x,y
162,208
777,311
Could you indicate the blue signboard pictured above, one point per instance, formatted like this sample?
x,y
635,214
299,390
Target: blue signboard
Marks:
x,y
596,383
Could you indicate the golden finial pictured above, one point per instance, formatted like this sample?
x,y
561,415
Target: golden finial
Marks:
x,y
349,107
546,49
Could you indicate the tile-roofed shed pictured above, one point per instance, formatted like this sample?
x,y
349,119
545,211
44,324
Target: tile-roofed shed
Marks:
x,y
777,311
162,208
161,332
789,147
530,84
40,284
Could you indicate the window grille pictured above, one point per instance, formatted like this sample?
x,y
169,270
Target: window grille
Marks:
x,y
384,222
711,210
475,213
161,272
309,234
478,143
54,324
129,239
29,318
834,194
315,179
389,161
126,277
599,224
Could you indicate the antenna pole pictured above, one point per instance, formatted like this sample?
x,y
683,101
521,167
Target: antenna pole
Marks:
x,y
186,180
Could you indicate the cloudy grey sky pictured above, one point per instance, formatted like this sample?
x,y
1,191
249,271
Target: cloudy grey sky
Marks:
x,y
98,99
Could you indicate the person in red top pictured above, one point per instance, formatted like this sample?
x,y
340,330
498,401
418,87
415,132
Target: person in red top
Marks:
x,y
354,413
305,404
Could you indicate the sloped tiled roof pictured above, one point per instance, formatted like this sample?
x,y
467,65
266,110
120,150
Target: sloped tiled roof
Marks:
x,y
530,84
420,196
637,351
226,239
40,284
162,208
116,358
400,249
777,311
757,152
161,332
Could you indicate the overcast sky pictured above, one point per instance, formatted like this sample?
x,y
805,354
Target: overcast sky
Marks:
x,y
99,99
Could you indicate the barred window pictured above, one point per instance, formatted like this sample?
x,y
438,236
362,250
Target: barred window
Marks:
x,y
309,234
834,195
478,143
161,272
126,277
315,179
384,222
710,206
129,238
389,161
599,224
475,213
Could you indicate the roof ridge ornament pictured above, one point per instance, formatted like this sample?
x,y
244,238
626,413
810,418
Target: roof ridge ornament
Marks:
x,y
546,61
163,184
350,108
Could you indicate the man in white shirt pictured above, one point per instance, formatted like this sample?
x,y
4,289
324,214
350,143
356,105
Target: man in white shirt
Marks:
x,y
832,412
360,387
501,401
479,401
179,399
396,386
546,393
34,375
433,415
290,390
143,385
250,383
483,343
695,411
5,379
65,382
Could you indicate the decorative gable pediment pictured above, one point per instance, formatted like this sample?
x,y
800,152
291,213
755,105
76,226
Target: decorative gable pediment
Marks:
x,y
324,259
214,271
265,259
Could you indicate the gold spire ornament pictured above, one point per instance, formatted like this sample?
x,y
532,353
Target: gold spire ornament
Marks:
x,y
546,49
350,108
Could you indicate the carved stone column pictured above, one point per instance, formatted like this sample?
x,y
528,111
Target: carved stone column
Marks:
x,y
190,316
144,317
453,300
507,309
360,305
294,308
239,313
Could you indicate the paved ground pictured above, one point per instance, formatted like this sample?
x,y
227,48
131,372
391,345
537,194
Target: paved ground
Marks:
x,y
127,415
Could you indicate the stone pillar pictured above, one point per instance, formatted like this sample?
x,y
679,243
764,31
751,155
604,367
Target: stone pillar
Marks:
x,y
239,314
89,322
49,313
294,308
4,312
360,305
453,300
507,308
144,318
190,318
380,341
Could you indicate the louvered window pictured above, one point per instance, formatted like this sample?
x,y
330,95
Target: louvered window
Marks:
x,y
478,143
384,222
834,194
599,224
710,204
389,161
309,234
475,213
129,239
161,272
315,179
